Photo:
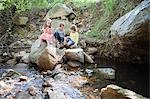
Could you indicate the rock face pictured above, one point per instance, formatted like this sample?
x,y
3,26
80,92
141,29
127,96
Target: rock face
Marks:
x,y
130,33
116,92
60,11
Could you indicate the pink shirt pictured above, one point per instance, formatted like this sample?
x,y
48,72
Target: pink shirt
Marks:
x,y
47,35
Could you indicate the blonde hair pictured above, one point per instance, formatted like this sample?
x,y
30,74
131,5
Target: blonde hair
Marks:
x,y
74,28
50,22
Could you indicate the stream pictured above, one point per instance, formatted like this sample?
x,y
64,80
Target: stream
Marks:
x,y
134,77
131,76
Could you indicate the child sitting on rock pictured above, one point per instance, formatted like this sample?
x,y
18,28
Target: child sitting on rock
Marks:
x,y
60,34
47,35
73,38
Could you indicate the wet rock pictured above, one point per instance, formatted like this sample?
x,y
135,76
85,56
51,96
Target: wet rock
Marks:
x,y
25,58
74,64
92,50
21,20
11,62
21,67
32,91
89,72
23,78
23,95
4,88
75,54
61,77
116,92
64,91
46,84
10,73
107,73
88,58
60,11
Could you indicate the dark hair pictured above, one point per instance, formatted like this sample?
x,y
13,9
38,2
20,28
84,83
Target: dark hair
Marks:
x,y
61,24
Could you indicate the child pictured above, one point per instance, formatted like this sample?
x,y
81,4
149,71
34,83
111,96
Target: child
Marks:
x,y
73,38
59,34
47,34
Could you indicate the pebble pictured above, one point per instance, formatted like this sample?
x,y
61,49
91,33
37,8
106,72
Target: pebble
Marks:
x,y
32,91
23,78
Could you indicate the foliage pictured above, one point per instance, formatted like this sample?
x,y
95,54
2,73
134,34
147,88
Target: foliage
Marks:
x,y
23,5
111,11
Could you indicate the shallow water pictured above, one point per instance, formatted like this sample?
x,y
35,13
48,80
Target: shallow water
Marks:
x,y
134,77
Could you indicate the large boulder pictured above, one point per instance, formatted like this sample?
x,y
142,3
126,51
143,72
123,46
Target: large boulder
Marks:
x,y
75,54
60,11
130,33
116,92
46,57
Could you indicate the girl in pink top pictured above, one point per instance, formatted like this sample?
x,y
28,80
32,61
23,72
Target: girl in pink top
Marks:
x,y
47,34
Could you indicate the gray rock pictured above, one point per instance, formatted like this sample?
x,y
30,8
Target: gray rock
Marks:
x,y
107,73
64,91
11,62
74,64
92,50
25,58
60,11
19,55
75,54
